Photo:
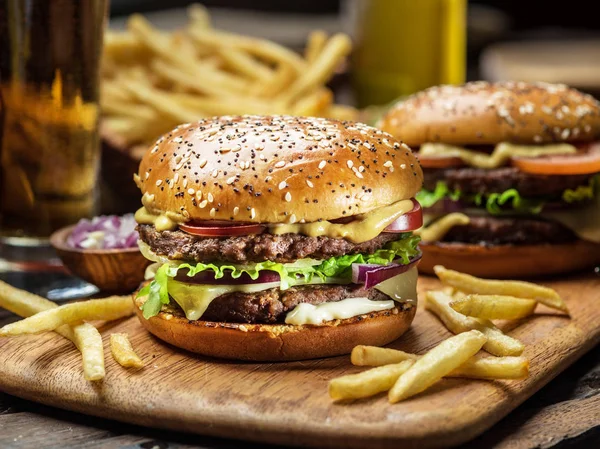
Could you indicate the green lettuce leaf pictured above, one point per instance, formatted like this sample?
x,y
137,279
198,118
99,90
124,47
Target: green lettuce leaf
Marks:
x,y
334,268
509,201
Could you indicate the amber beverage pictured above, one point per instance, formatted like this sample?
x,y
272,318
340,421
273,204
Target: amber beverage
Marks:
x,y
49,86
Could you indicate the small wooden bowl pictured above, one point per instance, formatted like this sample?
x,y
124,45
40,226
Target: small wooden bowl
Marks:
x,y
111,270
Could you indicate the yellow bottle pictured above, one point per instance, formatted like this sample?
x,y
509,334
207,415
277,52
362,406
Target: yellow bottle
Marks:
x,y
403,46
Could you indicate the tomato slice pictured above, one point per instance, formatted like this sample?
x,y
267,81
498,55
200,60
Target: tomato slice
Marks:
x,y
222,231
439,162
585,161
409,221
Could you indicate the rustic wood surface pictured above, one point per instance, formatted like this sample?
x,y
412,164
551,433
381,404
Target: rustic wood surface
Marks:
x,y
287,403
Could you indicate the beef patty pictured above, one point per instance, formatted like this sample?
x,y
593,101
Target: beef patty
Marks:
x,y
478,180
285,248
489,231
271,306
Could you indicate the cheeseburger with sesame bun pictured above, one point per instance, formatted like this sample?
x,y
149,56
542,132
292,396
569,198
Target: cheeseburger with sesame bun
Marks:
x,y
278,238
512,176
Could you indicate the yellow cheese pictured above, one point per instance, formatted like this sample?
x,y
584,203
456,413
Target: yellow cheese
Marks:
x,y
583,222
438,229
194,299
401,288
347,308
499,157
365,227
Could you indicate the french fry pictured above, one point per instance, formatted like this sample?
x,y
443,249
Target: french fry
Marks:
x,y
315,44
321,69
437,363
475,367
341,112
202,85
497,343
261,48
519,289
111,308
368,383
245,64
199,16
311,105
123,353
374,356
89,342
493,368
493,307
26,304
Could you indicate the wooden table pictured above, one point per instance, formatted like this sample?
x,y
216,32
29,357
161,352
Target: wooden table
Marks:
x,y
564,414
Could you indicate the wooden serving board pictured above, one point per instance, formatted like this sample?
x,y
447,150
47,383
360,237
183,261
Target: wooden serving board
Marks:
x,y
287,403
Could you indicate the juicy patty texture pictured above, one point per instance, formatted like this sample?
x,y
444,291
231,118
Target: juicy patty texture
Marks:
x,y
478,180
285,248
487,230
272,305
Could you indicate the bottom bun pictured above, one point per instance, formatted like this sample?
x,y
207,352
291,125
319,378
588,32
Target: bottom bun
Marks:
x,y
279,342
508,261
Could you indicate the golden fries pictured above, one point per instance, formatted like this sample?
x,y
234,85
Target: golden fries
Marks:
x,y
497,343
111,308
84,336
374,356
476,367
153,79
123,353
494,306
493,368
437,363
89,342
520,289
367,383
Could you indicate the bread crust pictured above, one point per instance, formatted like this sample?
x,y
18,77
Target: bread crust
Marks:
x,y
276,169
488,113
266,342
510,261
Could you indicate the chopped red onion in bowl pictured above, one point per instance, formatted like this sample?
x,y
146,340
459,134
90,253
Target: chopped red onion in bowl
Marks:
x,y
104,232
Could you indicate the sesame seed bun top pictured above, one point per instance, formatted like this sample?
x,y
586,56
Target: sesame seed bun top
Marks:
x,y
489,113
276,169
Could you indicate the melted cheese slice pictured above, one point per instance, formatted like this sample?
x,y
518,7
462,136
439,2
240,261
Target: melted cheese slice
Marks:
x,y
499,157
366,227
438,229
585,222
340,310
401,288
194,299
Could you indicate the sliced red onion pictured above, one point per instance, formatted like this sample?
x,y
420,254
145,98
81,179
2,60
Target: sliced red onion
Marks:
x,y
372,274
105,232
208,277
446,206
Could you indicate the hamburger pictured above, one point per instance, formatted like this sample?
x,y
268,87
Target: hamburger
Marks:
x,y
278,238
511,176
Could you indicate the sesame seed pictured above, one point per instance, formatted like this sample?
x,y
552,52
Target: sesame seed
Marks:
x,y
147,175
565,134
230,180
288,197
236,210
259,147
359,174
215,173
280,164
282,185
236,148
322,165
213,212
402,166
387,164
159,182
185,183
176,178
253,213
292,218
361,169
203,204
537,139
367,145
210,197
309,184
349,163
191,191
202,163
225,150
406,147
198,195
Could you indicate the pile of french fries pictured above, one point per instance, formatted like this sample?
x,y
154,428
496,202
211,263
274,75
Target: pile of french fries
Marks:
x,y
466,307
153,80
72,322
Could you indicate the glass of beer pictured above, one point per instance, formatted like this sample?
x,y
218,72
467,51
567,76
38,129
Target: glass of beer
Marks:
x,y
49,90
